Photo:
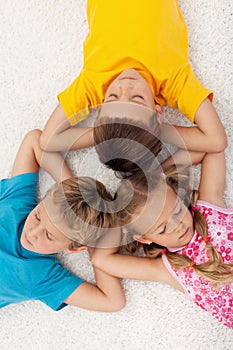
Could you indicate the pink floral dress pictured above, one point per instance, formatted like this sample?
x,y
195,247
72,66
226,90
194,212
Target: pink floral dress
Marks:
x,y
220,233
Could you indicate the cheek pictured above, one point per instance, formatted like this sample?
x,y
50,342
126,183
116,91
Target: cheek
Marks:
x,y
29,221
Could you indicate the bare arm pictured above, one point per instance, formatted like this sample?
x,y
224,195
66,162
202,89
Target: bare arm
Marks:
x,y
182,157
207,136
58,135
107,295
128,266
212,182
31,157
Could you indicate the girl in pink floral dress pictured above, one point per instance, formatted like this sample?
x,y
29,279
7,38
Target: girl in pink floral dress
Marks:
x,y
189,241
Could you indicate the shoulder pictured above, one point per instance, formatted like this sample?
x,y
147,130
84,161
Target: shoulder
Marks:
x,y
22,184
52,282
167,275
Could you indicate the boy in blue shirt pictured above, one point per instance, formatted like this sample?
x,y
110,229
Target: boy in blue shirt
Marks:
x,y
30,237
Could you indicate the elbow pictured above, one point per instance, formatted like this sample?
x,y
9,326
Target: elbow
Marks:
x,y
220,144
45,142
96,260
118,304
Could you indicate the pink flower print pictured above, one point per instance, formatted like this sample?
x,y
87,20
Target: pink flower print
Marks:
x,y
192,250
231,302
219,301
204,290
215,311
203,281
225,253
219,233
188,272
189,282
206,212
197,283
222,218
227,291
198,298
226,312
230,236
209,300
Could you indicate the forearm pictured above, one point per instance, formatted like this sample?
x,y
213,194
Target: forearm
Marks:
x,y
183,157
58,135
112,295
107,295
207,136
70,139
55,165
212,183
190,138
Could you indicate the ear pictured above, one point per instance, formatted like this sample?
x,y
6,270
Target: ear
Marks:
x,y
75,250
141,239
158,110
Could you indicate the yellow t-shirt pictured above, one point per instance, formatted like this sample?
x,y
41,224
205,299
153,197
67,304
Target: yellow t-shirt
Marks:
x,y
149,36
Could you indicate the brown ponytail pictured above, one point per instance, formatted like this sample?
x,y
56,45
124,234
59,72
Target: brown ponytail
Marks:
x,y
126,146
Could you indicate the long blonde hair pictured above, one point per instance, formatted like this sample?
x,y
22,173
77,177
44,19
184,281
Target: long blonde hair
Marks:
x,y
214,270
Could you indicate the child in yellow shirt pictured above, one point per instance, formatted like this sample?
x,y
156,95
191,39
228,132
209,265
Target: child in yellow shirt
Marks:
x,y
135,52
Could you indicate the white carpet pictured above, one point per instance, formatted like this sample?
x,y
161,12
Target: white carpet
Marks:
x,y
40,54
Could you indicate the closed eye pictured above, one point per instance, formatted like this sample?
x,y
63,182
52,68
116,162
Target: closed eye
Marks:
x,y
48,237
113,95
37,217
138,96
163,231
177,213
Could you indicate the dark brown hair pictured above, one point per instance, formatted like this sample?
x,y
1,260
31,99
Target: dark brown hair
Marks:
x,y
130,145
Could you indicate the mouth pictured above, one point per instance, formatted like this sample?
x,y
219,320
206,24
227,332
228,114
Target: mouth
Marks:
x,y
128,78
184,234
27,240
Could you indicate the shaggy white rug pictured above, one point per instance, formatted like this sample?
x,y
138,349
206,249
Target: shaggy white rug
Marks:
x,y
40,54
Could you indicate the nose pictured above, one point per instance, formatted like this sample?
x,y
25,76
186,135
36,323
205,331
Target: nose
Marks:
x,y
35,232
124,89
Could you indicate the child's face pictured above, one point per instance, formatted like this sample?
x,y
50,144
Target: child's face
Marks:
x,y
171,221
130,86
39,235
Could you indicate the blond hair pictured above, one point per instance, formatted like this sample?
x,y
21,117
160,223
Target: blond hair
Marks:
x,y
86,207
214,270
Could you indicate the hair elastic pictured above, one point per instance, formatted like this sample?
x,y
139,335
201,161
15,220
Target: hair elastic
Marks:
x,y
164,251
163,175
205,239
194,208
192,264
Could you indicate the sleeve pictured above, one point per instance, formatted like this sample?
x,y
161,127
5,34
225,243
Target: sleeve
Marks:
x,y
74,101
53,283
184,91
23,186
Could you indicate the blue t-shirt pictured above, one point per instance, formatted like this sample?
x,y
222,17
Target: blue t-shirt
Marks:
x,y
25,275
